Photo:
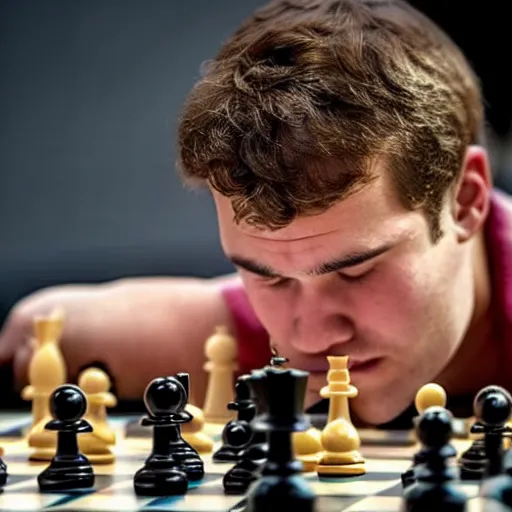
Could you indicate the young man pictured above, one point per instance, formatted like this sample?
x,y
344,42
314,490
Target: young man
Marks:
x,y
342,142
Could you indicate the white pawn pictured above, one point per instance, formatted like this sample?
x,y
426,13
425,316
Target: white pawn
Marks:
x,y
96,445
221,351
193,431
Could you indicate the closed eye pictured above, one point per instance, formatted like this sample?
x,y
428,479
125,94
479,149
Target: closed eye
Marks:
x,y
274,282
357,273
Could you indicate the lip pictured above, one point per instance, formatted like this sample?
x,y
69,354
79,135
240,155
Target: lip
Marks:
x,y
353,365
358,369
364,366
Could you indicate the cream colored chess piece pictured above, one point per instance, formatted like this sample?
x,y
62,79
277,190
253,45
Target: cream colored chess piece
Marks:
x,y
46,371
307,447
96,445
429,395
340,439
193,431
220,350
433,394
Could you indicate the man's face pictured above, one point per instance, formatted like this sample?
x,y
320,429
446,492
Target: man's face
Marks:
x,y
362,279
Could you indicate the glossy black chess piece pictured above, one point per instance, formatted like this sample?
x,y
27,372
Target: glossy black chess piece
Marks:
x,y
257,449
281,480
409,477
161,474
435,487
238,479
277,361
69,469
492,409
188,458
498,488
473,461
3,473
237,433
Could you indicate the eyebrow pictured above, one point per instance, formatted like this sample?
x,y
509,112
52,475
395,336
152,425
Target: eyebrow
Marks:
x,y
350,260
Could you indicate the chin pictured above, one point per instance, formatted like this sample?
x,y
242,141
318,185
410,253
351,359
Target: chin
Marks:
x,y
378,409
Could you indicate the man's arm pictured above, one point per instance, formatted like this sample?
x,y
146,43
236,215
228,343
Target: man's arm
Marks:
x,y
140,328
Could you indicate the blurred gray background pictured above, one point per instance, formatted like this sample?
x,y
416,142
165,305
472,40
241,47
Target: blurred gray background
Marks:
x,y
90,93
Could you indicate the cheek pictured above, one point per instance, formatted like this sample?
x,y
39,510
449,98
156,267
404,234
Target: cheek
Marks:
x,y
271,308
397,306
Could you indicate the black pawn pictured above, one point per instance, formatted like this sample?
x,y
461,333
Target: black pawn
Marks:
x,y
492,409
188,458
499,488
473,461
161,475
69,469
237,433
409,476
434,488
281,476
3,473
238,479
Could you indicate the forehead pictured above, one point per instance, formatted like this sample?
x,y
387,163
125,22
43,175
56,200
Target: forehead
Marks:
x,y
364,214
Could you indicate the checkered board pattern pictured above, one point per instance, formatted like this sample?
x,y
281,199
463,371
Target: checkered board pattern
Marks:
x,y
377,491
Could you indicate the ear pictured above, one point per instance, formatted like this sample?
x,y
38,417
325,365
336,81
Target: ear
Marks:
x,y
472,193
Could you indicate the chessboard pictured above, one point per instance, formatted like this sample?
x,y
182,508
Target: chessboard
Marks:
x,y
379,490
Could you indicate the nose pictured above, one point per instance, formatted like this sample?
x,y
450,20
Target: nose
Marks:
x,y
321,320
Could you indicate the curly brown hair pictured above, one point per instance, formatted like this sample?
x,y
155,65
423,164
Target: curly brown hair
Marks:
x,y
298,105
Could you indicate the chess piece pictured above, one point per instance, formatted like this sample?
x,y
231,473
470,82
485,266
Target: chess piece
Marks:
x,y
193,432
280,479
237,433
188,458
69,469
161,474
46,372
276,360
239,478
3,473
492,409
340,439
429,395
220,350
307,446
96,446
473,461
434,487
498,488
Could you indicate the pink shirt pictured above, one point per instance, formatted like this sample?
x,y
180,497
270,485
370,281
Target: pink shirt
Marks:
x,y
253,340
